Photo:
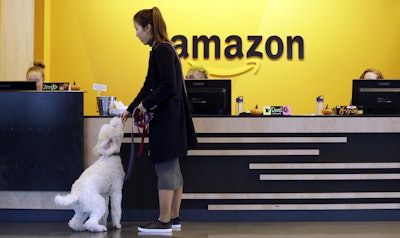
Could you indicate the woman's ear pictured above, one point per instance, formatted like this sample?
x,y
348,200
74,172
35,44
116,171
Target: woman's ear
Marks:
x,y
148,28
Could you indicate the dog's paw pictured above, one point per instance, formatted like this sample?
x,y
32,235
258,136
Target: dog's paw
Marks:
x,y
117,226
96,228
76,226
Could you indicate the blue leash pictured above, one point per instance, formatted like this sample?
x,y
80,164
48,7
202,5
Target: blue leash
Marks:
x,y
132,156
138,120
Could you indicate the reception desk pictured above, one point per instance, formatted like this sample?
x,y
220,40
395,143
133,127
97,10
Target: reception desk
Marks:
x,y
276,168
295,168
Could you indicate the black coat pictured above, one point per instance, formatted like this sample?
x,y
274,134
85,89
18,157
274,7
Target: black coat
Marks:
x,y
171,131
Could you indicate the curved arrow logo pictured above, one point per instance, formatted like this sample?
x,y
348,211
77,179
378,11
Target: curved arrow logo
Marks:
x,y
249,66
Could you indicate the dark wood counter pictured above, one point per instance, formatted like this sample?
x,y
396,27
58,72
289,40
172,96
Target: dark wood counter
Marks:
x,y
41,136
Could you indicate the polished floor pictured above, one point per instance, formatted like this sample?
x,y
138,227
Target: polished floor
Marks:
x,y
218,230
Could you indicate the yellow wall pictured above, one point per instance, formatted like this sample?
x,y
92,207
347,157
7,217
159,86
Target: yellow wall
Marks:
x,y
39,30
93,41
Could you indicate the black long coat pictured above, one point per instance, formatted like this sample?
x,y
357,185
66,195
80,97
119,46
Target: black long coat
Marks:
x,y
171,131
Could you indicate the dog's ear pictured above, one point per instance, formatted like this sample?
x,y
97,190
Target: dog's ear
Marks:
x,y
106,144
110,137
105,147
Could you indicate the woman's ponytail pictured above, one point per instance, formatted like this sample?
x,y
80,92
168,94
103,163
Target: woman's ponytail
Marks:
x,y
160,28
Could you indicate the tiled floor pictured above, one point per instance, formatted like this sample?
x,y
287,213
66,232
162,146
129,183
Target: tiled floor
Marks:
x,y
219,230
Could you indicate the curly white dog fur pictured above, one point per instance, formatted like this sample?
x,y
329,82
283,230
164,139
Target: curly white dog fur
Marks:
x,y
100,183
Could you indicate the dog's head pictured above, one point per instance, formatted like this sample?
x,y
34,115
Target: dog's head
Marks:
x,y
110,137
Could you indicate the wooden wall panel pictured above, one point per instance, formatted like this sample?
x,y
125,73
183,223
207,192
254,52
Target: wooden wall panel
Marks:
x,y
16,38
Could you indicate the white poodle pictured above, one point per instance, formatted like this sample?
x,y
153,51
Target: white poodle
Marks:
x,y
102,181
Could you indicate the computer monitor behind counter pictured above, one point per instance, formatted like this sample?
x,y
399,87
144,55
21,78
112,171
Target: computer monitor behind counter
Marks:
x,y
377,96
17,85
209,96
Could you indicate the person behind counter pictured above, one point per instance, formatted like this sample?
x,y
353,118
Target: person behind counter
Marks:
x,y
171,130
371,74
36,73
197,72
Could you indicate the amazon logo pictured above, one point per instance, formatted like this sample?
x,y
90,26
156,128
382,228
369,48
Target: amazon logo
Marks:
x,y
274,48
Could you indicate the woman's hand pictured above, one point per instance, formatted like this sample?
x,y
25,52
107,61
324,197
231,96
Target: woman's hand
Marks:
x,y
142,108
125,115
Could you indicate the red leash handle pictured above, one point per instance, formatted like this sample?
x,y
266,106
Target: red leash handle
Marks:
x,y
141,121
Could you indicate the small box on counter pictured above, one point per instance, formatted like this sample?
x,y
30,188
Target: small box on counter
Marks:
x,y
286,111
267,110
348,110
276,110
55,86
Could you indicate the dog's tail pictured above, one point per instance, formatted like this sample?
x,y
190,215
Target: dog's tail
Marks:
x,y
65,200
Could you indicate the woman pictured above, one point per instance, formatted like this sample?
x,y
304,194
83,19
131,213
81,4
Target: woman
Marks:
x,y
371,74
197,72
36,73
171,131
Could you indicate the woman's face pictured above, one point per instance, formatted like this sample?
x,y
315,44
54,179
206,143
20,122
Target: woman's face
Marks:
x,y
370,75
143,33
37,77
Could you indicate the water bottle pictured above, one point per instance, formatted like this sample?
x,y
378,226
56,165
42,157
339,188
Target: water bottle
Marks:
x,y
239,105
320,104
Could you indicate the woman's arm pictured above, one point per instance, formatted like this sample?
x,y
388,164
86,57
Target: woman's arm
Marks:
x,y
165,57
